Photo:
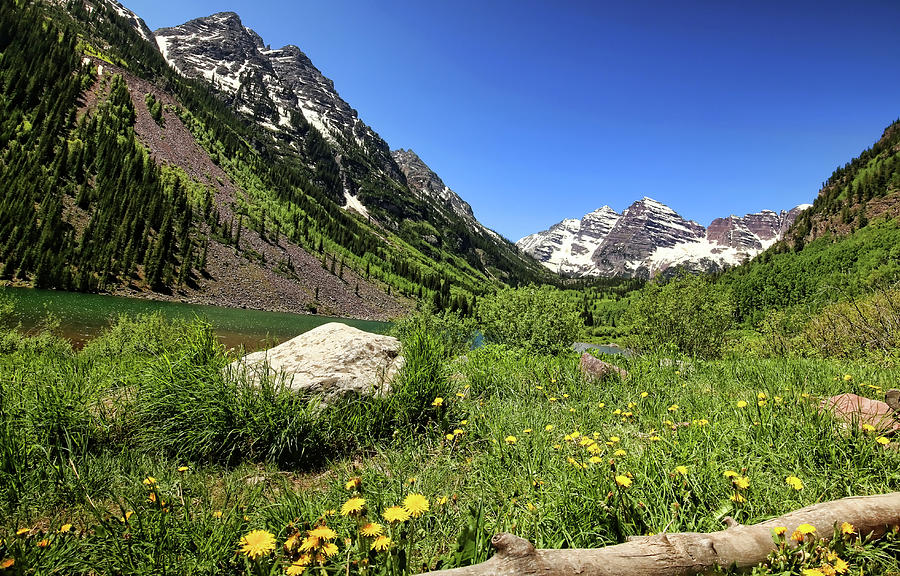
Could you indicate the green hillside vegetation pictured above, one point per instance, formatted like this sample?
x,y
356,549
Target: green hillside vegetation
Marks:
x,y
88,210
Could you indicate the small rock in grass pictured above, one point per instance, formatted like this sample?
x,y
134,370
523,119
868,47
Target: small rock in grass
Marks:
x,y
597,369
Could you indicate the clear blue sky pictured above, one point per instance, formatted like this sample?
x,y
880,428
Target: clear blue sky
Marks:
x,y
535,111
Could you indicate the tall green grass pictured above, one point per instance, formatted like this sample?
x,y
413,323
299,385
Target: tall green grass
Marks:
x,y
80,432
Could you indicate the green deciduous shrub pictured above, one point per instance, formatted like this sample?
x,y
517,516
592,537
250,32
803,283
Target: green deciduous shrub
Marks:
x,y
863,327
541,319
690,314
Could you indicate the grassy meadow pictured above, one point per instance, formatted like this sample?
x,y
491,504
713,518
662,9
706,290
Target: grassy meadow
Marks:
x,y
136,456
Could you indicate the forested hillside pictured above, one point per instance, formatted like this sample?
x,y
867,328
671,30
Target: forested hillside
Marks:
x,y
98,198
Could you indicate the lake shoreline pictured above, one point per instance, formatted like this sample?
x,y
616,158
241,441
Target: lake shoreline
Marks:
x,y
197,299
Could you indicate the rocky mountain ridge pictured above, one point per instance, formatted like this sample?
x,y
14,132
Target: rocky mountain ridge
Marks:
x,y
649,238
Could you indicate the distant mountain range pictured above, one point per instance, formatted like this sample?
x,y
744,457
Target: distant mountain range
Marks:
x,y
649,238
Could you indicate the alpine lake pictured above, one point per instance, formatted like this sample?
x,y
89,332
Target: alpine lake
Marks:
x,y
81,317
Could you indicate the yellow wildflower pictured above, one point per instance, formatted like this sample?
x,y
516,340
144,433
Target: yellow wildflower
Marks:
x,y
741,482
812,572
7,563
595,460
527,431
298,566
739,498
150,481
868,428
323,532
847,528
437,401
601,404
183,468
353,483
730,474
310,543
673,408
65,528
741,404
510,439
794,482
548,428
841,566
330,549
257,543
644,394
353,506
779,530
43,543
623,481
381,543
681,470
847,377
22,531
415,504
620,453
882,440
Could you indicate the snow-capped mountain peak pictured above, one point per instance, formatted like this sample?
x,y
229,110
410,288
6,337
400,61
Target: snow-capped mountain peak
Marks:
x,y
649,238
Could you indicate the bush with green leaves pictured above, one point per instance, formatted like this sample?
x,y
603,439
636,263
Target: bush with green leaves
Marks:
x,y
690,314
540,319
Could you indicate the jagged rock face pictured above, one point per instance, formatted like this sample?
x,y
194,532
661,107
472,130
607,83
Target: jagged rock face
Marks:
x,y
428,185
643,228
650,238
272,86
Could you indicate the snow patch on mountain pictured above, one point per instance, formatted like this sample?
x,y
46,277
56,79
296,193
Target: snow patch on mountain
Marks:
x,y
649,238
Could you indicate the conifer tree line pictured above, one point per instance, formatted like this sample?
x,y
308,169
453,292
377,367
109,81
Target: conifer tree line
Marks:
x,y
85,207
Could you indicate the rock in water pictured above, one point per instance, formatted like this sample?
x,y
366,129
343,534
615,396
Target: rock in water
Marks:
x,y
333,360
598,369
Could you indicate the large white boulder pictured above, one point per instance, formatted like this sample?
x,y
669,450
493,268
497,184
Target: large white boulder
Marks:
x,y
333,359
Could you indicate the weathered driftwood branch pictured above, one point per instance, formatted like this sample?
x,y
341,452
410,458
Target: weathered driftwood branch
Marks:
x,y
685,552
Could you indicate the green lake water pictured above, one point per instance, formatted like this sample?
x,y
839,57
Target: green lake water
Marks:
x,y
83,316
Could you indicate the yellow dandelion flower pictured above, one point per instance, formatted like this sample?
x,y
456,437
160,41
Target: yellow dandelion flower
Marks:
x,y
655,438
847,377
217,514
812,572
594,448
310,543
761,396
510,439
43,543
292,541
847,528
841,566
449,437
330,549
586,441
741,482
371,529
681,470
527,431
257,543
761,403
623,481
673,408
183,468
353,483
794,482
741,404
806,529
552,399
298,566
730,474
882,440
644,394
779,530
460,395
868,428
65,528
395,514
614,439
323,532
548,428
7,563
457,432
381,543
739,498
565,395
442,500
601,404
620,453
22,531
415,504
150,481
353,506
437,401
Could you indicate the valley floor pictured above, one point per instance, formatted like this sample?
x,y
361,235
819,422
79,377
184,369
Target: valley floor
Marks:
x,y
135,456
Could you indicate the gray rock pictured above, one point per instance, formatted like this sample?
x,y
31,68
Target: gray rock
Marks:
x,y
597,369
333,360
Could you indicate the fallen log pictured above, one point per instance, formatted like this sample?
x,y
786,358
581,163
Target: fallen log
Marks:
x,y
684,553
